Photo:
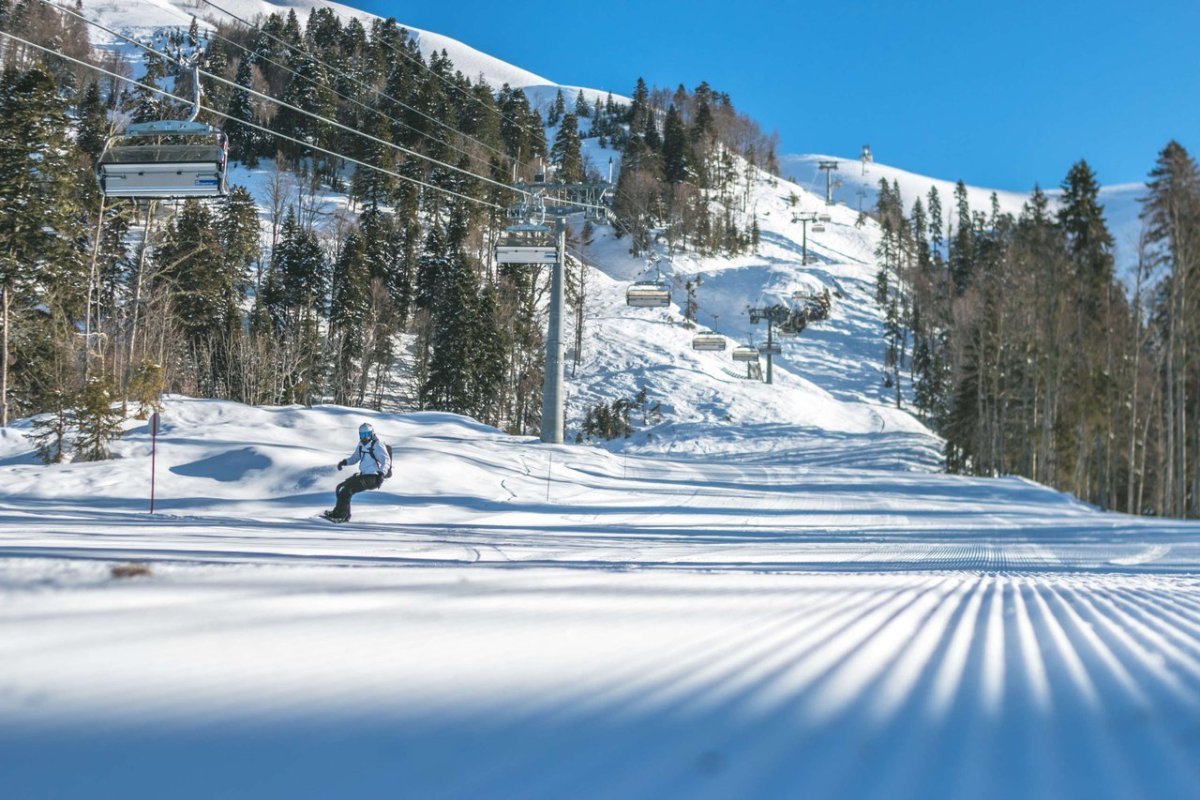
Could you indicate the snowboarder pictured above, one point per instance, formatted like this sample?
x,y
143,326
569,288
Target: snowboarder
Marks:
x,y
375,459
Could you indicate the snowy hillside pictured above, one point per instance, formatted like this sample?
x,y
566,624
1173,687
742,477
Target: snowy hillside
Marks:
x,y
133,16
512,619
828,380
1121,205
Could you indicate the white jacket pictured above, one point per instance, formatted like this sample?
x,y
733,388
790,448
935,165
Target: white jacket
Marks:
x,y
373,455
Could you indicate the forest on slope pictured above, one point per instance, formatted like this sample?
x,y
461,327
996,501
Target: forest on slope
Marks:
x,y
264,298
1032,357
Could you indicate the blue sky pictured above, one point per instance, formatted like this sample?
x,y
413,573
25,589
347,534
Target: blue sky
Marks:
x,y
999,94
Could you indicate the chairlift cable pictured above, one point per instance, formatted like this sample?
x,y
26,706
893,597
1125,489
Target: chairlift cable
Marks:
x,y
217,35
426,116
284,104
342,73
223,115
407,56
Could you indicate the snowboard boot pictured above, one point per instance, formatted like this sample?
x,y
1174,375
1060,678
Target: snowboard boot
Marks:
x,y
332,517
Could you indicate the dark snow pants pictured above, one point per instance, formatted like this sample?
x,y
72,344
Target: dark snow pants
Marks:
x,y
352,486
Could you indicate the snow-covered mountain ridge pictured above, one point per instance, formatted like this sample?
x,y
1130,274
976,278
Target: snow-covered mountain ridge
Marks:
x,y
133,16
860,184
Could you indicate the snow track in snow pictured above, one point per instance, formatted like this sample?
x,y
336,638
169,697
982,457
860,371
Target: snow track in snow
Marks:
x,y
619,683
718,625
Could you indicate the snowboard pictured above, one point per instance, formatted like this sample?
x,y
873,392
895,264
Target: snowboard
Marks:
x,y
329,516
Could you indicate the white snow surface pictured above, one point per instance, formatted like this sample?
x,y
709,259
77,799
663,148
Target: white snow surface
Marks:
x,y
771,592
511,619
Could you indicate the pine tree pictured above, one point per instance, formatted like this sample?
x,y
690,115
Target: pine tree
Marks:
x,y
240,235
98,420
557,109
639,109
582,110
448,387
1088,241
245,143
148,105
489,356
936,223
146,386
567,153
194,271
962,248
51,430
919,228
309,90
1172,216
93,122
41,234
348,314
675,148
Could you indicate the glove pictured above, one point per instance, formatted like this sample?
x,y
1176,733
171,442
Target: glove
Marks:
x,y
341,464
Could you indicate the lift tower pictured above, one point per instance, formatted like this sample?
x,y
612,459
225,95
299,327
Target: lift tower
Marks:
x,y
804,218
773,315
828,167
539,248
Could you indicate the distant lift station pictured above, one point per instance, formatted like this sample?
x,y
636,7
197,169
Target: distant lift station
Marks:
x,y
708,342
164,160
648,294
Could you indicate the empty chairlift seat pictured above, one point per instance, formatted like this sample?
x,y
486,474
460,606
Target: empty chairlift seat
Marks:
x,y
164,160
772,349
745,352
648,294
527,244
711,342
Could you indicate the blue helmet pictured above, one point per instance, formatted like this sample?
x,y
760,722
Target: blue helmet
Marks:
x,y
366,432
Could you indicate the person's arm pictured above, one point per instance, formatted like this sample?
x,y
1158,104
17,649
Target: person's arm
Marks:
x,y
354,457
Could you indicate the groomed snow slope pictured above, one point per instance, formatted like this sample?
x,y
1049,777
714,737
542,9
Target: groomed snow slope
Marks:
x,y
827,404
507,618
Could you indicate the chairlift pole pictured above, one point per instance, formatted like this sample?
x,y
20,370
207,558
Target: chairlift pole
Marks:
x,y
770,326
552,379
828,168
805,217
92,280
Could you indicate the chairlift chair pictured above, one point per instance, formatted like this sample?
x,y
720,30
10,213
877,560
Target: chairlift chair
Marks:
x,y
527,244
167,159
648,294
745,352
818,228
708,342
772,349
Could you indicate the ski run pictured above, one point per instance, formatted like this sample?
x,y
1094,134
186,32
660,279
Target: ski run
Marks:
x,y
510,619
766,591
